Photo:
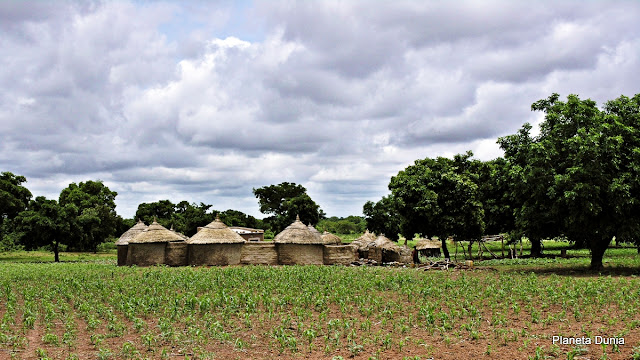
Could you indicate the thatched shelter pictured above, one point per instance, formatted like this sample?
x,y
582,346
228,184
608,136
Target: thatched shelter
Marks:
x,y
149,246
383,250
215,244
430,248
259,253
330,239
363,243
297,244
123,242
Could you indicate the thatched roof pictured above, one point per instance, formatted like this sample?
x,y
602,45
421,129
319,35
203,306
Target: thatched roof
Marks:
x,y
216,232
298,233
363,241
155,233
313,230
131,233
183,236
330,239
424,244
385,243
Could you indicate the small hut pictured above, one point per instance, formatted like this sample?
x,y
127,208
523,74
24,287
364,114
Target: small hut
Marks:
x,y
149,247
330,239
363,243
123,242
297,244
383,250
429,248
215,244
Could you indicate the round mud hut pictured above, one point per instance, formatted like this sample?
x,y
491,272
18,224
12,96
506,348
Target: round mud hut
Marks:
x,y
330,239
149,247
123,242
363,243
297,244
215,244
336,253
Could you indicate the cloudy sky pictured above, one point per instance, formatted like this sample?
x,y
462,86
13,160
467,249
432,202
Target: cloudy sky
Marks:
x,y
203,101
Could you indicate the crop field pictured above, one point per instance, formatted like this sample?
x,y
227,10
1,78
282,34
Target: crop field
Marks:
x,y
503,309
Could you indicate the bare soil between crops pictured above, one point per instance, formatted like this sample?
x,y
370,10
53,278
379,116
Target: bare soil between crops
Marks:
x,y
421,342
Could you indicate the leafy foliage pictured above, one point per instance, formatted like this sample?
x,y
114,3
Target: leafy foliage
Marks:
x,y
96,217
382,217
285,201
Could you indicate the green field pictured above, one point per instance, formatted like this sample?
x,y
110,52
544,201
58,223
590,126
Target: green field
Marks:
x,y
87,308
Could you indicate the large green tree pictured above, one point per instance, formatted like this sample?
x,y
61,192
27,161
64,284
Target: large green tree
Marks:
x,y
579,177
96,218
14,198
440,197
284,201
45,223
382,217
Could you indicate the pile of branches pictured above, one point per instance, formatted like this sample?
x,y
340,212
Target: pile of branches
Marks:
x,y
444,265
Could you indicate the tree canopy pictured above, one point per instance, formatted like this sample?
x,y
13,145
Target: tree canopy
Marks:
x,y
14,198
579,177
284,201
96,217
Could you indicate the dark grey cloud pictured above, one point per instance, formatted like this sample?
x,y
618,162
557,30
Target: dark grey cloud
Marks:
x,y
204,101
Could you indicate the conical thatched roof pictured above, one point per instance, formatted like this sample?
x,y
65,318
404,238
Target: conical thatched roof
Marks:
x,y
183,236
330,239
131,233
385,243
424,244
313,230
298,233
155,233
363,241
216,232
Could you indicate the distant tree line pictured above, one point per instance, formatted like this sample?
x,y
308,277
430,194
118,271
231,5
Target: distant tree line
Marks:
x,y
578,179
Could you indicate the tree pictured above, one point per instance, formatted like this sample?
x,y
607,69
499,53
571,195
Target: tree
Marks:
x,y
285,201
14,198
45,222
382,217
439,197
495,183
162,211
579,177
187,217
96,218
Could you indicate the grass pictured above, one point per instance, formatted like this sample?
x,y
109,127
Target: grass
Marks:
x,y
86,307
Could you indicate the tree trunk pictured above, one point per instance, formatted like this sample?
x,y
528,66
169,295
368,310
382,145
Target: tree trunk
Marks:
x,y
598,249
536,248
469,250
56,256
444,248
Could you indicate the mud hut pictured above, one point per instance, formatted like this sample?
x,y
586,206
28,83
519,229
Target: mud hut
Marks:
x,y
383,250
123,242
363,243
297,244
429,248
215,244
330,239
149,247
259,253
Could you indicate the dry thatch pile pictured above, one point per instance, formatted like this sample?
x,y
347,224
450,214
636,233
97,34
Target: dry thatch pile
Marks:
x,y
215,244
383,250
297,244
149,246
123,242
330,239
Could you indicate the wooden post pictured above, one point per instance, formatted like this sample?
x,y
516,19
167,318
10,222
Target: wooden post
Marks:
x,y
520,247
502,240
470,254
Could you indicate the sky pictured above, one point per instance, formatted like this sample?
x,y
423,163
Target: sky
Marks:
x,y
205,100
